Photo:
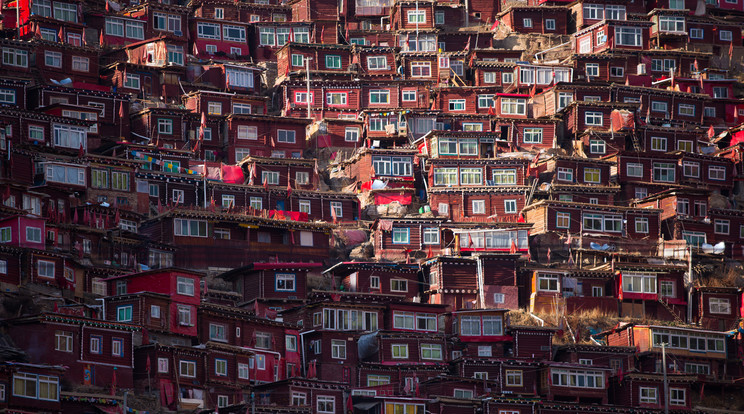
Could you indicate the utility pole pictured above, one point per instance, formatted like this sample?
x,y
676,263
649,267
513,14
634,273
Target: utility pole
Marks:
x,y
666,383
307,76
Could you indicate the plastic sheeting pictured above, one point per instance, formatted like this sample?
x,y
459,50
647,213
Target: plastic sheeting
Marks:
x,y
232,174
403,199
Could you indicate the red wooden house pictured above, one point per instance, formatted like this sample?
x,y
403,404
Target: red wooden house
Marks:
x,y
62,60
265,136
481,333
94,351
276,346
455,281
492,72
514,377
373,277
183,286
151,311
339,133
620,359
691,350
162,20
165,126
589,12
31,387
716,308
268,37
546,20
273,281
219,37
252,238
632,229
574,382
572,290
646,390
25,231
176,374
404,238
613,35
317,396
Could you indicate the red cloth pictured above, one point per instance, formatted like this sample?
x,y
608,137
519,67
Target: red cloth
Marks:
x,y
403,199
736,138
232,174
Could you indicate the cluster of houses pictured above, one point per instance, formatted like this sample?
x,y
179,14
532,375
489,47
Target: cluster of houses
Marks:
x,y
340,207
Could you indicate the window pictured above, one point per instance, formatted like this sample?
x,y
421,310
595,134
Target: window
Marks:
x,y
510,206
721,226
471,176
399,351
696,33
63,341
628,36
641,224
401,235
592,69
175,55
658,144
478,206
42,8
470,326
547,283
639,283
66,12
686,110
398,285
416,16
53,59
184,315
716,172
633,169
117,347
187,368
285,282
593,118
337,209
285,136
45,269
374,380
420,69
565,174
409,95
377,62
507,78
333,62
683,206
726,35
691,169
456,104
232,33
80,64
593,11
15,57
549,24
513,106
220,367
577,378
666,289
513,378
563,220
719,306
135,30
663,172
34,386
217,332
379,96
672,24
167,22
499,298
527,23
124,313
325,404
533,135
592,175
431,352
648,395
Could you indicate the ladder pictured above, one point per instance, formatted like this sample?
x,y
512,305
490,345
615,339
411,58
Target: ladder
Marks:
x,y
532,191
676,317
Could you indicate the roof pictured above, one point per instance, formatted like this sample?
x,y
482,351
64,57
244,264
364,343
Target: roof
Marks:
x,y
548,203
270,266
153,271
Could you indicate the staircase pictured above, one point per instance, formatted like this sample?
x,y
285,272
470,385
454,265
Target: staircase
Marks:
x,y
671,311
